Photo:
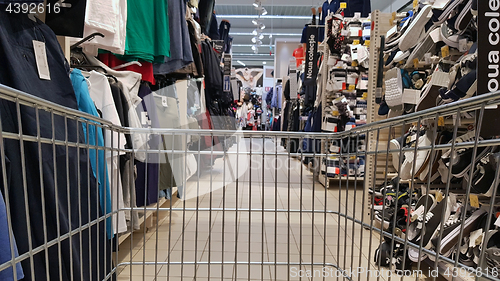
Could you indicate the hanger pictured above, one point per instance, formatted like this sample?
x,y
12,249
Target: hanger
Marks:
x,y
127,64
89,67
88,38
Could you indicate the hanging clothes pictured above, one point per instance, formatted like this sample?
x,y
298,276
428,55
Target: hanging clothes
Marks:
x,y
205,10
108,17
146,70
181,54
100,92
148,36
93,133
19,71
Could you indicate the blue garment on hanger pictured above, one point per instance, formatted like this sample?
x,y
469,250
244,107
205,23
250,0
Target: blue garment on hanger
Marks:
x,y
5,253
97,159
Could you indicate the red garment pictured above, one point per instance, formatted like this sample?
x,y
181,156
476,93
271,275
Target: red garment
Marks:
x,y
146,69
299,55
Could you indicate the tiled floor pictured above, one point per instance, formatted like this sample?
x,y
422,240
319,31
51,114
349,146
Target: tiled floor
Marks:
x,y
272,240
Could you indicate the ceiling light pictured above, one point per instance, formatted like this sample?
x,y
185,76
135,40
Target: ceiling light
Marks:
x,y
254,40
264,12
261,36
254,48
255,32
270,36
264,62
256,51
256,4
262,26
241,63
255,22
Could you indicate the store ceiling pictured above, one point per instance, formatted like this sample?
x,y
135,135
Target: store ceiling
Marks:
x,y
285,20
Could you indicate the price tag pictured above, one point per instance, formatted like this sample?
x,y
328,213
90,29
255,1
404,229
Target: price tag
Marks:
x,y
445,51
441,121
343,5
367,43
415,63
365,96
41,60
164,101
439,196
474,201
354,63
415,4
352,87
355,42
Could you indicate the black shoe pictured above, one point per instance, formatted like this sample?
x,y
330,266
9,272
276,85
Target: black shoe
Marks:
x,y
484,176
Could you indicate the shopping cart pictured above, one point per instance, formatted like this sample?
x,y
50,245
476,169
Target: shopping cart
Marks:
x,y
249,209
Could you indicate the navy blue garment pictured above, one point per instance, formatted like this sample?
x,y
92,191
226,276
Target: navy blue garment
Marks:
x,y
5,252
358,6
205,10
19,71
224,29
213,30
146,184
269,97
181,54
327,8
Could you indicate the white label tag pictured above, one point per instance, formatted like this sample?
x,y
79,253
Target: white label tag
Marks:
x,y
417,213
436,35
497,223
411,96
462,45
144,118
164,101
476,238
41,60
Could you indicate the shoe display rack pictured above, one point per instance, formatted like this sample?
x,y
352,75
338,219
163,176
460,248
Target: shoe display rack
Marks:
x,y
344,83
421,59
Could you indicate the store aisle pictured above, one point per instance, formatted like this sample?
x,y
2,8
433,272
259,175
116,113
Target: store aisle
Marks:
x,y
280,228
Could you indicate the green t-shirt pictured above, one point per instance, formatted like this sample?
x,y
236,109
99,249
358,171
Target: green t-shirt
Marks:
x,y
148,35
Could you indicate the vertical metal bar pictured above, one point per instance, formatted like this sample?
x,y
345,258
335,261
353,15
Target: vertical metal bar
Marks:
x,y
313,223
325,236
56,183
212,161
249,208
263,197
170,225
146,176
161,147
356,171
7,202
79,180
347,198
197,215
301,198
447,191
469,186
89,177
366,178
132,204
237,207
373,198
176,156
25,187
224,187
275,208
340,158
68,196
288,210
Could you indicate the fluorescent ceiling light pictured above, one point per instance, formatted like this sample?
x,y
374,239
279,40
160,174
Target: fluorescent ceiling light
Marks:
x,y
264,62
264,17
241,63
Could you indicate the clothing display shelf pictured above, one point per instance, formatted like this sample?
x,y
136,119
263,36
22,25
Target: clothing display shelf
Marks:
x,y
324,76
